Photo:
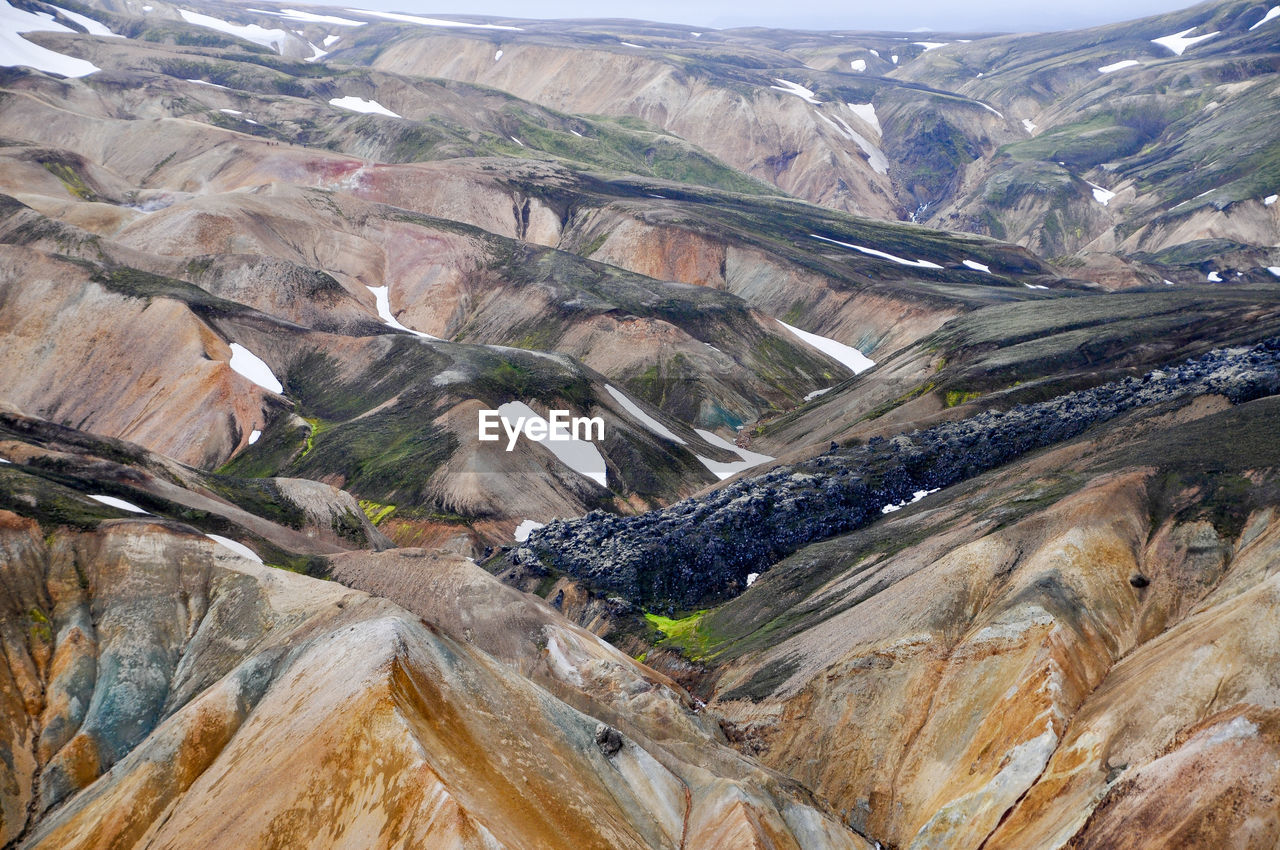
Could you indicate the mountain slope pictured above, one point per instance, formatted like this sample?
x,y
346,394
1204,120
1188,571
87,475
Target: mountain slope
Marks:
x,y
180,726
894,536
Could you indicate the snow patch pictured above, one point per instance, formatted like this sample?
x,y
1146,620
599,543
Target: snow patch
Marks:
x,y
1275,270
751,578
112,501
977,267
1214,277
811,396
795,89
915,497
275,39
16,50
525,528
875,157
20,20
1034,286
931,45
331,40
894,57
920,264
251,366
631,44
1270,15
579,455
724,470
517,141
91,26
235,546
206,83
867,112
497,56
382,300
1029,125
311,17
1124,63
431,22
1101,195
1270,199
254,436
858,65
850,357
643,418
238,114
358,104
1178,42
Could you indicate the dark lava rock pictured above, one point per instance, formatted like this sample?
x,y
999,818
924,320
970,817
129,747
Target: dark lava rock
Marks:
x,y
701,550
608,739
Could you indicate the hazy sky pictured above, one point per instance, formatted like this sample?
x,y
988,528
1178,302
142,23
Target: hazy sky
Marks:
x,y
1005,15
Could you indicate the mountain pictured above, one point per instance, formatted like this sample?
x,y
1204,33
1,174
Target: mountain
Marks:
x,y
934,496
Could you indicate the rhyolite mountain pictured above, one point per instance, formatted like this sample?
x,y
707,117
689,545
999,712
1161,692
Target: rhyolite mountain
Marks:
x,y
938,504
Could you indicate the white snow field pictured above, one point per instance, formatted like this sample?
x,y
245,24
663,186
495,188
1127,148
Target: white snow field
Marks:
x,y
1179,42
1101,195
920,264
867,112
579,455
849,356
16,50
724,470
430,22
91,26
275,39
1124,63
119,503
235,546
643,418
1271,14
359,104
525,528
382,299
251,366
311,17
795,89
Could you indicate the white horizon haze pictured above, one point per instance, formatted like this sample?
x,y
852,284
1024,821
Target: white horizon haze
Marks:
x,y
908,16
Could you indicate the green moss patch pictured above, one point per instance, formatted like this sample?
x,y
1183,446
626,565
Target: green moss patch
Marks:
x,y
688,635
